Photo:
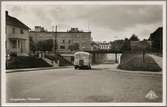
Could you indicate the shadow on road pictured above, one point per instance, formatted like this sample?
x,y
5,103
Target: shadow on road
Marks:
x,y
94,69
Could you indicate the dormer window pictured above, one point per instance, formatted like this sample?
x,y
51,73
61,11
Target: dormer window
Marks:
x,y
21,31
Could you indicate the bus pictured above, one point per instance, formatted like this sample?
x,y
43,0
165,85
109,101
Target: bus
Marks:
x,y
82,60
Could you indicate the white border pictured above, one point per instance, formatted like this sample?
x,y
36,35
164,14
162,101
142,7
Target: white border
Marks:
x,y
3,77
164,53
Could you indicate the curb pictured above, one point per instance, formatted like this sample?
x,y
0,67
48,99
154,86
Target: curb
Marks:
x,y
139,72
35,69
115,69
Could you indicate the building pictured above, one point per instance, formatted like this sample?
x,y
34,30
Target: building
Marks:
x,y
67,42
73,40
104,45
37,36
39,29
17,36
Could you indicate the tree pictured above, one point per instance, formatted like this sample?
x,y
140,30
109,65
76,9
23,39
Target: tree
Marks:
x,y
156,39
117,45
126,45
120,45
33,46
74,46
134,38
45,45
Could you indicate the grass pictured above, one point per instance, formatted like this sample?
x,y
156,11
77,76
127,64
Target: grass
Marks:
x,y
130,61
26,62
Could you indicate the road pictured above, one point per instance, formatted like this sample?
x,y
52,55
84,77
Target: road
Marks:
x,y
101,84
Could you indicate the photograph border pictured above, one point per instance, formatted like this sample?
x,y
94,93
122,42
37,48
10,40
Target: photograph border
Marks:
x,y
3,54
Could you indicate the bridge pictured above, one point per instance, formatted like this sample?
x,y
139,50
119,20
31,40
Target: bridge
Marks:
x,y
103,51
98,55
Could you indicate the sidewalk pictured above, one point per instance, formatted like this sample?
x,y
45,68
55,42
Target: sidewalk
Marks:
x,y
35,69
114,68
157,59
141,72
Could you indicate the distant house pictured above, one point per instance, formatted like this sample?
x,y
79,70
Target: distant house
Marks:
x,y
104,45
39,29
17,36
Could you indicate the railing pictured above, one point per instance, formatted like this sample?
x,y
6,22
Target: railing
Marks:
x,y
60,59
103,51
18,36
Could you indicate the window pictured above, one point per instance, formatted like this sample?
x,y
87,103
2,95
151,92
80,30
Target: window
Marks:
x,y
14,43
63,41
13,30
62,47
21,31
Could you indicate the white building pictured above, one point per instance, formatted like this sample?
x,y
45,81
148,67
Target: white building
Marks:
x,y
104,45
17,36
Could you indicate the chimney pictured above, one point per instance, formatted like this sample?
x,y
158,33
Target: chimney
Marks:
x,y
6,12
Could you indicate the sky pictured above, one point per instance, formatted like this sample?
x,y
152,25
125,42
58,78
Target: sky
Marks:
x,y
106,22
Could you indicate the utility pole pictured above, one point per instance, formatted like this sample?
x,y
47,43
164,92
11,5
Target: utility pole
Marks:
x,y
54,41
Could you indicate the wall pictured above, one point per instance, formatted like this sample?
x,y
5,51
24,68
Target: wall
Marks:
x,y
82,38
40,36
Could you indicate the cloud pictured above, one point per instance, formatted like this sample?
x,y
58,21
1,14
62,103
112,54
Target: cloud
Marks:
x,y
105,21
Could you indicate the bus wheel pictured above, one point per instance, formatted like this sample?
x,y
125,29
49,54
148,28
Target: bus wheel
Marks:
x,y
75,67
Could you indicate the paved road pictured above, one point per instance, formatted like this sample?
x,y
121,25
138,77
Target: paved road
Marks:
x,y
101,84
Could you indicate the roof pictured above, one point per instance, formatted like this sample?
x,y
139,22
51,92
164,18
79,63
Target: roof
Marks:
x,y
67,54
80,52
15,22
157,30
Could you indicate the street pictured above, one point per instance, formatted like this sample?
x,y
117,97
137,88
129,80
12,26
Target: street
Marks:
x,y
101,84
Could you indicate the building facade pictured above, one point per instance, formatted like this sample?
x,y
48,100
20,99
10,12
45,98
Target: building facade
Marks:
x,y
67,42
17,36
39,29
104,45
71,41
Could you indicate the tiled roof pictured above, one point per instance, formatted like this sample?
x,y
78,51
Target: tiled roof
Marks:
x,y
15,22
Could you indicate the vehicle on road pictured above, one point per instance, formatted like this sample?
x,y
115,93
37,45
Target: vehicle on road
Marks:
x,y
82,60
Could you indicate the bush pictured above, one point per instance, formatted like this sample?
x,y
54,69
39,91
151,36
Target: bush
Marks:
x,y
13,54
27,62
134,61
